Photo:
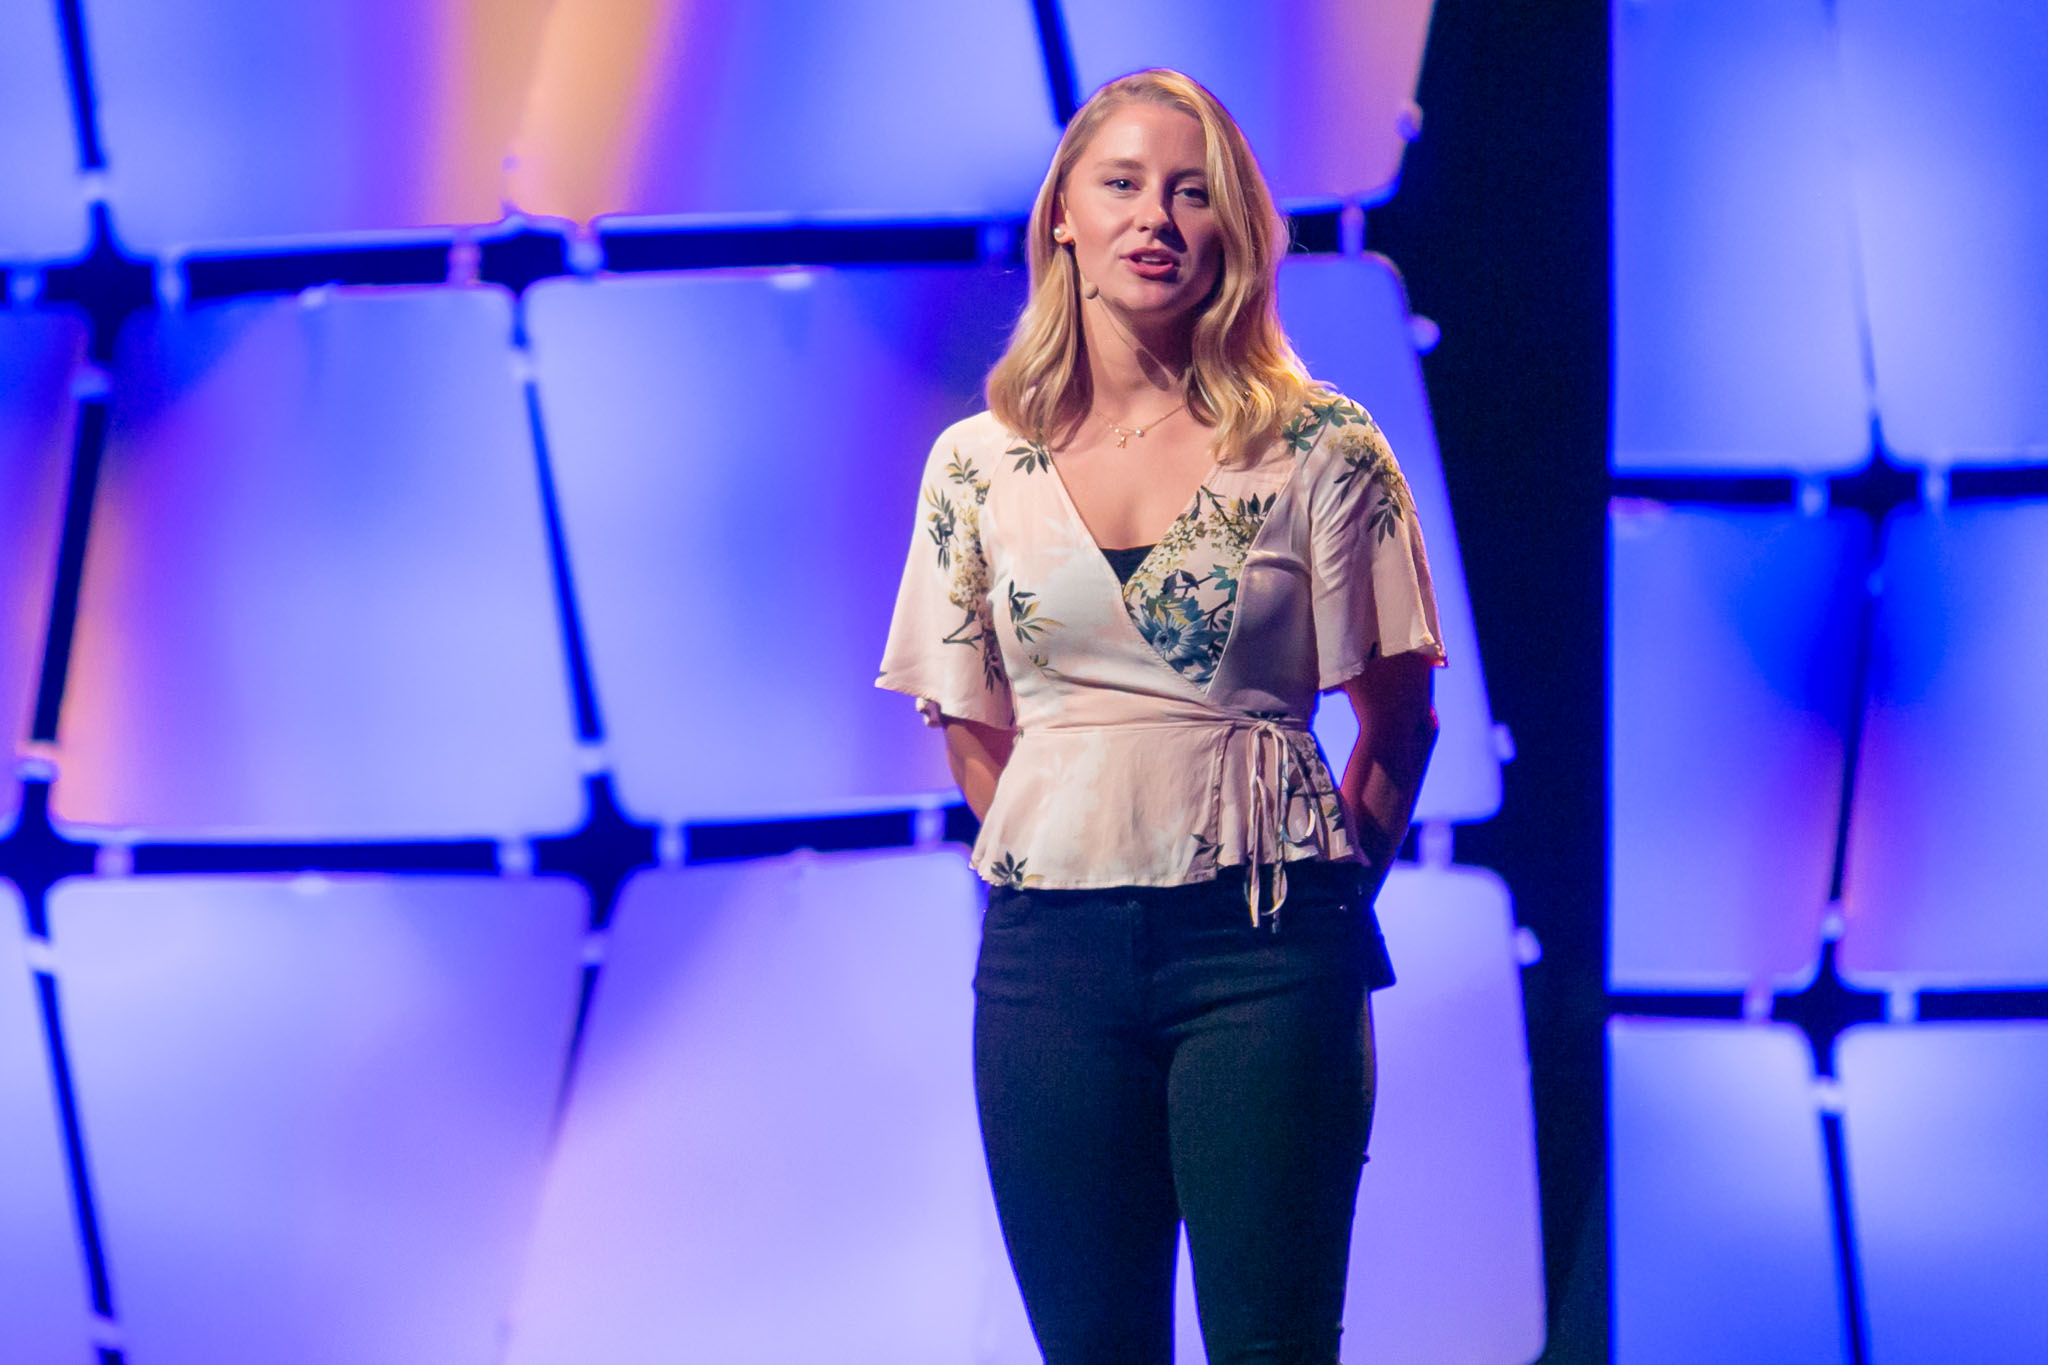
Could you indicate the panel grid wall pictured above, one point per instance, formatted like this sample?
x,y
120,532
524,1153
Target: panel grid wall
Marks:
x,y
356,571
1826,741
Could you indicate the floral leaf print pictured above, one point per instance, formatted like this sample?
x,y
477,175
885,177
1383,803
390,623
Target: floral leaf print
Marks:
x,y
963,472
1024,617
1302,429
1009,871
1184,615
1031,456
943,523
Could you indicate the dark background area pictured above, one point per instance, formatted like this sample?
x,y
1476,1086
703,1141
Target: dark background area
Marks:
x,y
1501,228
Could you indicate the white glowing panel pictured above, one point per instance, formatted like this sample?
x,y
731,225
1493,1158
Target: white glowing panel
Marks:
x,y
772,1153
1324,89
1447,1252
1947,127
1946,1127
39,353
1946,865
237,119
318,1109
869,107
1349,320
1736,295
317,599
42,212
43,1297
737,457
1722,1234
1732,675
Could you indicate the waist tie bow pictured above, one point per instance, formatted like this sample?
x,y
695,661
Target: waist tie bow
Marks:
x,y
1271,775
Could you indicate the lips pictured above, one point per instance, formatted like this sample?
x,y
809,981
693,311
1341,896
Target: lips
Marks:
x,y
1153,265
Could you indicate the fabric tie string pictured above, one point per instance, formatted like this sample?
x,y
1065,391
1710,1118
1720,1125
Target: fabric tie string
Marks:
x,y
1270,777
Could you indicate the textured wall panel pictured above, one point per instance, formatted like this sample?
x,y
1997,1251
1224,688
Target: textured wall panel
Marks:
x,y
1732,679
42,212
1447,1252
43,1296
1947,1135
772,1153
39,352
870,107
1722,1236
318,1109
1947,867
737,456
1324,89
317,597
234,119
1349,319
1946,130
1736,299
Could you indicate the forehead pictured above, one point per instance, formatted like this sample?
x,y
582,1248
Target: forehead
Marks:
x,y
1149,133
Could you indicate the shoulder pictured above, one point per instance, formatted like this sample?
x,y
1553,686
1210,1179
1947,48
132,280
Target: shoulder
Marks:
x,y
1342,447
989,448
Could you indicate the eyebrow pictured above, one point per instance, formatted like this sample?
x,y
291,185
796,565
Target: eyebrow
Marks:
x,y
1124,163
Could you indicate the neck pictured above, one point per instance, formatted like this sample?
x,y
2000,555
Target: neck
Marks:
x,y
1132,372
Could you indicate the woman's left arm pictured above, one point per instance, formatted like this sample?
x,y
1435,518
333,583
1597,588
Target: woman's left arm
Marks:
x,y
1396,732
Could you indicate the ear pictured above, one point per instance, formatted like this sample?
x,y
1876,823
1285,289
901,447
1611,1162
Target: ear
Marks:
x,y
1059,218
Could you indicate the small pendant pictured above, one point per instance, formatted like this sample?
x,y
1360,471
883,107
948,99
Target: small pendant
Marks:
x,y
1123,437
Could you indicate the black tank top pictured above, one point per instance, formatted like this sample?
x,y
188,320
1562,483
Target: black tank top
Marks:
x,y
1126,562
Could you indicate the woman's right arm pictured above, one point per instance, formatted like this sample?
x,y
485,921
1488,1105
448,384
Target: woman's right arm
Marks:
x,y
976,753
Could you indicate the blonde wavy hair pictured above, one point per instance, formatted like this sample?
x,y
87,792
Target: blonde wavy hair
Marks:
x,y
1245,379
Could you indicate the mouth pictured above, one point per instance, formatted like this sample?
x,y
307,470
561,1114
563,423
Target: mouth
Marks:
x,y
1153,263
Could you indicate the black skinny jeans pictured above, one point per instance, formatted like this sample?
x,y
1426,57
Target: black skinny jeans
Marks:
x,y
1143,1056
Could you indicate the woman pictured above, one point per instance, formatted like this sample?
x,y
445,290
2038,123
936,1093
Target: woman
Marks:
x,y
1129,581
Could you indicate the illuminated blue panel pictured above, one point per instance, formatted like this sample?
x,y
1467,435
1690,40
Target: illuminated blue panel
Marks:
x,y
1349,320
1947,1135
1947,128
1324,89
737,456
1722,1235
1447,1251
42,212
772,1154
1946,861
1736,298
1732,679
39,352
807,107
319,1109
317,598
239,119
43,1298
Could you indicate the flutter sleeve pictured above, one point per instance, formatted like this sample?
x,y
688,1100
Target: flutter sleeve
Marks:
x,y
942,646
1372,590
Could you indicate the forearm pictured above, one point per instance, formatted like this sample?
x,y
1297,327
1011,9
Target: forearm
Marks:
x,y
976,755
1380,785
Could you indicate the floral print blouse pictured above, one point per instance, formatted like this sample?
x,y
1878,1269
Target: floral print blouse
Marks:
x,y
1162,724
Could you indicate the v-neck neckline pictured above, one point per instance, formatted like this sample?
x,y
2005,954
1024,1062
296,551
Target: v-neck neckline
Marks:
x,y
1080,523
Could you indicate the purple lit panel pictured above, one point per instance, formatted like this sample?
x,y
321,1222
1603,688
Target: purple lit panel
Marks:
x,y
772,1154
1324,89
1732,678
1946,863
1722,1236
1947,1133
1349,319
42,212
1947,128
1736,295
874,108
737,458
39,353
317,599
1447,1252
43,1297
246,119
319,1109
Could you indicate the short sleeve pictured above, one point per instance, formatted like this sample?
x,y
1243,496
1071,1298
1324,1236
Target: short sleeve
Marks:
x,y
1372,590
942,646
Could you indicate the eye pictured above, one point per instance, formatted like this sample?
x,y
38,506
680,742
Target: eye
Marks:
x,y
1196,194
1120,182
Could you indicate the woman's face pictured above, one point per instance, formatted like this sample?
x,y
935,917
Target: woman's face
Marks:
x,y
1135,212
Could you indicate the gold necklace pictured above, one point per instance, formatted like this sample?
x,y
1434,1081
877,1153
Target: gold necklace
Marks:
x,y
1124,434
